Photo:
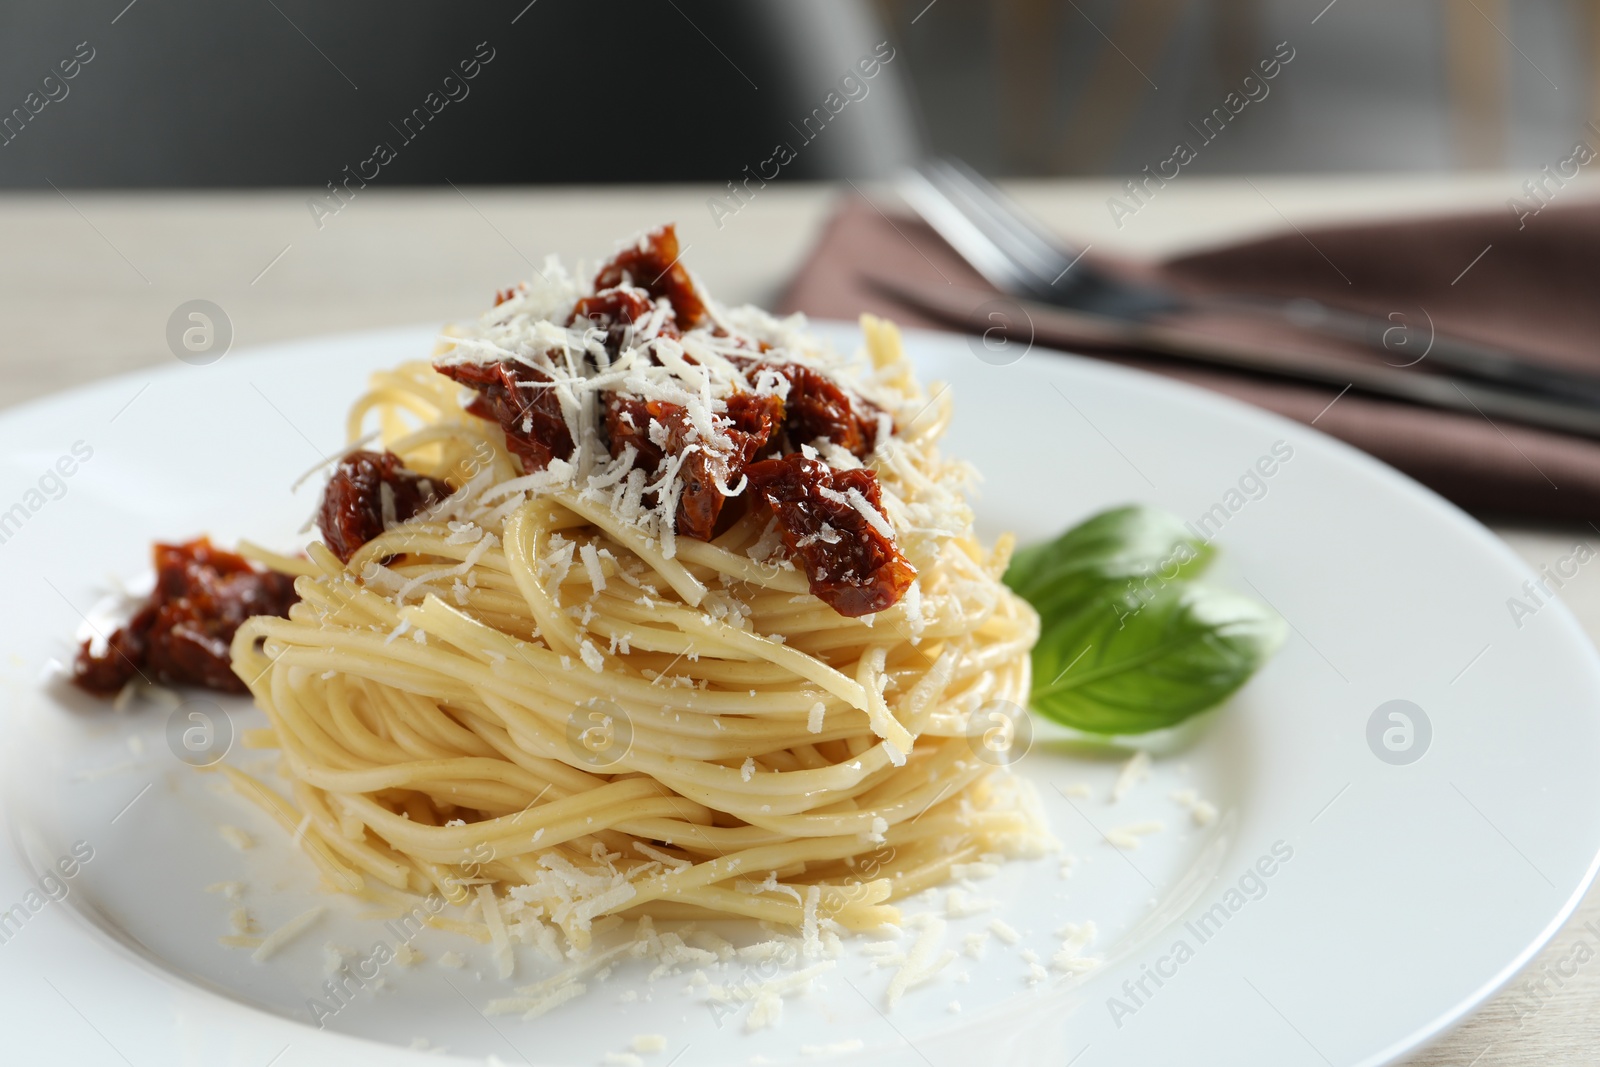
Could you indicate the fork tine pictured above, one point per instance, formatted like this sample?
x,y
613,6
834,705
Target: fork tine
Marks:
x,y
1014,252
973,242
1029,243
1023,258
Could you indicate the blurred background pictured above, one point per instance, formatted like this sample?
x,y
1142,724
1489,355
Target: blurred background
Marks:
x,y
183,93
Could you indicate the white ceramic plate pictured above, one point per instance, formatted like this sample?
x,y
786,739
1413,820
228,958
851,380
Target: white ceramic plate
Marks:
x,y
1343,908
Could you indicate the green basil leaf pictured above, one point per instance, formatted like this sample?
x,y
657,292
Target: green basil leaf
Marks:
x,y
1119,550
1131,664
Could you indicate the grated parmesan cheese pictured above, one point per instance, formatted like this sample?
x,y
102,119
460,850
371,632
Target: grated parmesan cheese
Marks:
x,y
1133,772
1127,837
489,904
1070,959
274,942
811,945
535,1006
922,963
958,905
814,717
591,563
1203,812
767,1011
980,869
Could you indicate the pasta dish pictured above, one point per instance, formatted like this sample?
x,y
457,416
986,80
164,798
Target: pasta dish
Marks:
x,y
625,604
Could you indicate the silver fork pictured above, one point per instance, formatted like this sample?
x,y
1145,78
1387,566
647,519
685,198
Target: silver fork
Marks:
x,y
1016,254
1019,256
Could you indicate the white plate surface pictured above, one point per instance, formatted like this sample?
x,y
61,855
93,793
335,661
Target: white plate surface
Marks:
x,y
1342,909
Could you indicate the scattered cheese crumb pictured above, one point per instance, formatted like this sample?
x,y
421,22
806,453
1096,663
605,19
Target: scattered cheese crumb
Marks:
x,y
767,1011
1203,812
958,905
1075,937
275,941
1127,837
1133,772
532,1007
489,906
236,837
591,563
811,945
973,943
814,717
649,1043
974,870
921,963
333,958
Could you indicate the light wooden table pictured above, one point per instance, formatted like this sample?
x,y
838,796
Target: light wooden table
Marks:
x,y
87,285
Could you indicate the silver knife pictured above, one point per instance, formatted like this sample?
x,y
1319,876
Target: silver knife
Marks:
x,y
1068,328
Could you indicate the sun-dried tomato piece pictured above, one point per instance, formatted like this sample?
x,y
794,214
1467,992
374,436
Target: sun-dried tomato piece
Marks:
x,y
651,263
354,508
124,656
816,407
628,423
757,417
614,310
748,424
518,398
850,564
181,634
619,305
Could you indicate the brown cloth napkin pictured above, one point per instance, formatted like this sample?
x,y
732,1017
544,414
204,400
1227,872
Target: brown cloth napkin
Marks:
x,y
1534,290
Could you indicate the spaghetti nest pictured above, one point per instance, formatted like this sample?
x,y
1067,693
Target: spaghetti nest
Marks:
x,y
523,703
